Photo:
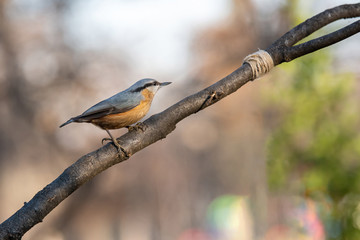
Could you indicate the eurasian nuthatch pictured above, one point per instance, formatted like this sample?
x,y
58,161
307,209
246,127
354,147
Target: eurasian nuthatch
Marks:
x,y
122,109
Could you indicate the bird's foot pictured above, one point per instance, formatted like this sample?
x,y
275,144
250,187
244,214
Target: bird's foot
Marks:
x,y
120,149
139,126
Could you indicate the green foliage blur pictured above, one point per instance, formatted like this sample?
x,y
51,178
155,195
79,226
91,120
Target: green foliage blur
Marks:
x,y
315,149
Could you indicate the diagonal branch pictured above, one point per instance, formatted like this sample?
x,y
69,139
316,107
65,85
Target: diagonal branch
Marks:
x,y
160,125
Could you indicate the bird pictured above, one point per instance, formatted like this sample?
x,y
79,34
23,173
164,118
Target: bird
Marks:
x,y
121,110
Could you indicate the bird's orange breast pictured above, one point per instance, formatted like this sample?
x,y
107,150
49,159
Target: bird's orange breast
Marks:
x,y
120,120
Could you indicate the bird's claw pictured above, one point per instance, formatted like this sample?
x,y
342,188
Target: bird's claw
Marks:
x,y
139,126
118,146
105,139
121,150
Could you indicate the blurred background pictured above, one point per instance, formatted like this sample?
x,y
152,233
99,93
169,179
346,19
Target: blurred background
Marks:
x,y
278,159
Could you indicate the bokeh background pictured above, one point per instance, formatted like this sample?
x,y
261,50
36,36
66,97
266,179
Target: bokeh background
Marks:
x,y
278,159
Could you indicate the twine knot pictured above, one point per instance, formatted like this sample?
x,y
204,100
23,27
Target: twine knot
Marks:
x,y
260,62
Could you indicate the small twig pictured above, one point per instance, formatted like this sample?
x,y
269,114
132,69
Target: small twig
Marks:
x,y
207,101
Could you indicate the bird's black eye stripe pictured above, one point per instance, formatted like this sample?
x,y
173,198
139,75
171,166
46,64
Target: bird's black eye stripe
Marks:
x,y
150,84
139,89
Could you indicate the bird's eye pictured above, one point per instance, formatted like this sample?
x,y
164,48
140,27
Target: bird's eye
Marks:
x,y
155,83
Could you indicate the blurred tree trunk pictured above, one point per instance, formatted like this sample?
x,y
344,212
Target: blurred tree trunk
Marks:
x,y
220,49
15,83
15,97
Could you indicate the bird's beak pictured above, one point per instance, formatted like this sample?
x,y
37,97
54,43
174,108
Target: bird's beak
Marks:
x,y
164,84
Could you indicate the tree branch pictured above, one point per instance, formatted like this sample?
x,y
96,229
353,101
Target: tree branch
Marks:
x,y
160,125
283,49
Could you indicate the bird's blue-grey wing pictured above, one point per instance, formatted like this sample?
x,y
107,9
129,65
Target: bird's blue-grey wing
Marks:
x,y
118,103
121,102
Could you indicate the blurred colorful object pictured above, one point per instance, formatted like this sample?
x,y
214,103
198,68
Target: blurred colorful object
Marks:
x,y
307,220
229,218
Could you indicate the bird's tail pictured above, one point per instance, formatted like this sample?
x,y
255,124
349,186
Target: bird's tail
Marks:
x,y
67,122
